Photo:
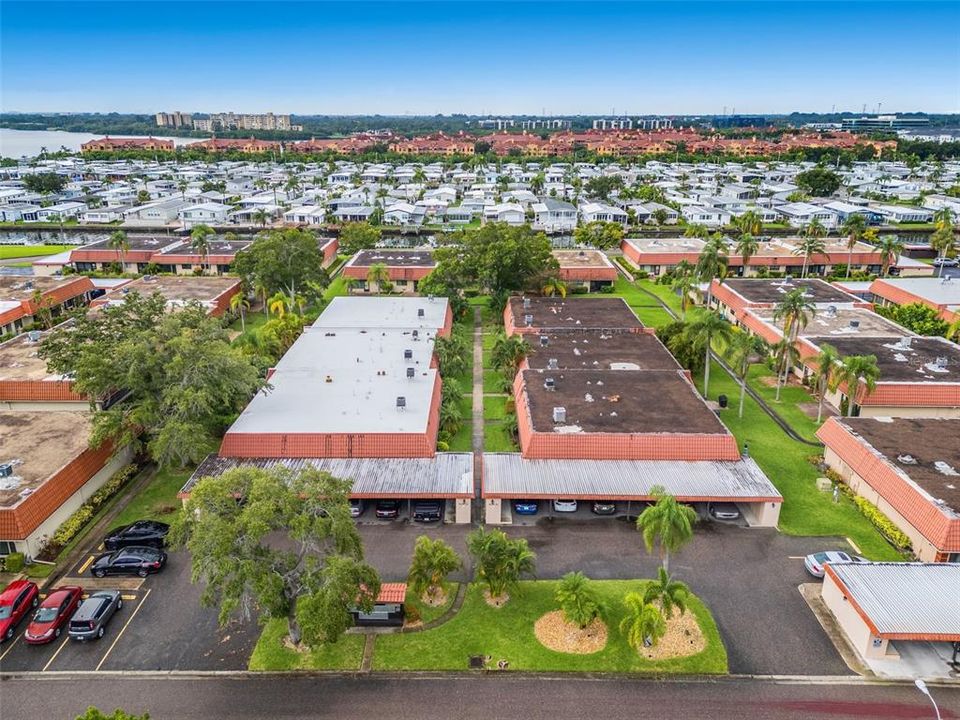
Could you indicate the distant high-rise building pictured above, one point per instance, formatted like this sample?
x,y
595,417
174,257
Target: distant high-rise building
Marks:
x,y
619,123
884,122
175,119
234,121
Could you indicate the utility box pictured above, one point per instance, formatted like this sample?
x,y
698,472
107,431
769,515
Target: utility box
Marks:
x,y
824,484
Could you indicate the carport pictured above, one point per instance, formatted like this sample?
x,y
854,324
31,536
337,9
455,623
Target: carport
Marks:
x,y
508,476
445,476
900,618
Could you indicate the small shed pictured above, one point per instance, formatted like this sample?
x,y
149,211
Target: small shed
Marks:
x,y
387,610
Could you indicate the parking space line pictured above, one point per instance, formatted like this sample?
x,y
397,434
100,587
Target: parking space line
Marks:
x,y
795,557
12,643
854,546
123,629
85,565
66,639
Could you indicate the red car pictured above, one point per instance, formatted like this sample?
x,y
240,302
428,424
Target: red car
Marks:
x,y
53,615
16,600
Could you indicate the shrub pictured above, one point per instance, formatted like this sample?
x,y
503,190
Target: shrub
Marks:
x,y
641,274
578,290
885,525
607,289
72,526
411,613
14,562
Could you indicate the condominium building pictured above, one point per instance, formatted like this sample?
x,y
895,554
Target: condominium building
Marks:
x,y
175,119
234,121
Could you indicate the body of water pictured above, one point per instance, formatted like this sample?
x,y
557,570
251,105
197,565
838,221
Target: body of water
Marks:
x,y
28,143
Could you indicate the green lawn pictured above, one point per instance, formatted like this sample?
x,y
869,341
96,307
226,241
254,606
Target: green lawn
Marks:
x,y
791,396
507,633
463,440
158,500
492,381
252,321
805,511
9,252
496,438
271,654
493,408
653,316
338,286
429,613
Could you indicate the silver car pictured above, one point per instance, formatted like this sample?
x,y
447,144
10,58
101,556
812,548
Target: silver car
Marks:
x,y
91,618
814,563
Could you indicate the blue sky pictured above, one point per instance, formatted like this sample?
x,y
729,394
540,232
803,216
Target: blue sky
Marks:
x,y
667,57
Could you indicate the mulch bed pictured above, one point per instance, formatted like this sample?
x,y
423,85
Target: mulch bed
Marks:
x,y
555,633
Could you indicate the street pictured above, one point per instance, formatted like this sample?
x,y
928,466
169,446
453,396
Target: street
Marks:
x,y
417,697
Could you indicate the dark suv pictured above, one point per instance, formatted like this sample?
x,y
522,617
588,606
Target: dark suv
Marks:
x,y
428,511
90,619
141,533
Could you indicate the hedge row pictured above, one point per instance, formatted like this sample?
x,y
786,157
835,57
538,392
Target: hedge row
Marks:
x,y
885,525
72,526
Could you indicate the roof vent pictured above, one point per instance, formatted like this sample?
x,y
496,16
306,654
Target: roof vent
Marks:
x,y
940,362
401,402
544,341
944,468
559,414
854,324
904,343
552,364
34,335
831,311
550,383
411,373
528,319
907,459
416,334
526,303
408,354
420,312
6,470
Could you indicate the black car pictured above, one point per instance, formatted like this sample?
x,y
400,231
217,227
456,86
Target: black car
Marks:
x,y
130,561
141,533
388,509
601,507
90,619
428,511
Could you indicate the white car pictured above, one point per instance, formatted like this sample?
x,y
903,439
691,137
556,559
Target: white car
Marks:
x,y
565,506
814,563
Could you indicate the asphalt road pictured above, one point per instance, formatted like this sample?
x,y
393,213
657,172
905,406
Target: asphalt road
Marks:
x,y
59,697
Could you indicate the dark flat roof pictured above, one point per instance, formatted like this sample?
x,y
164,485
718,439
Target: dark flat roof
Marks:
x,y
597,349
927,441
898,363
762,290
614,401
394,258
574,314
138,242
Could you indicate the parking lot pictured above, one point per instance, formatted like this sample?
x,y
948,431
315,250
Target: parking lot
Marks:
x,y
160,627
748,577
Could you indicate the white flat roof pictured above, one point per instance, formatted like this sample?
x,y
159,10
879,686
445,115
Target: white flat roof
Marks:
x,y
933,289
508,475
905,599
443,475
367,372
384,312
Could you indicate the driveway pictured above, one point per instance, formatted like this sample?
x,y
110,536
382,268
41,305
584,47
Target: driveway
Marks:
x,y
748,577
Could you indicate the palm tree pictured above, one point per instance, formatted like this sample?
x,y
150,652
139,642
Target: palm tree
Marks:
x,y
666,523
890,247
743,350
182,186
536,183
794,313
450,416
953,332
451,354
704,330
944,242
785,354
827,364
577,599
644,624
509,352
696,231
943,218
750,223
292,184
200,243
747,246
433,560
683,285
712,263
667,593
419,176
240,303
261,216
500,560
857,369
261,290
811,242
554,286
378,273
278,304
118,241
854,227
